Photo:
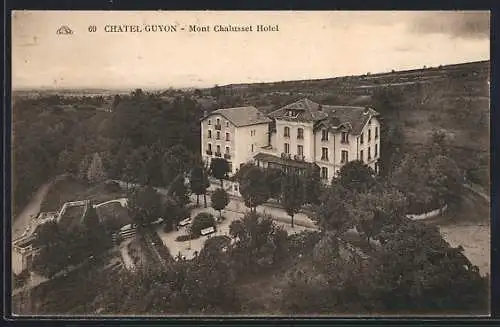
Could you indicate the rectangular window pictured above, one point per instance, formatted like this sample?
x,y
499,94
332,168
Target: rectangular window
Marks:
x,y
218,121
218,148
324,172
361,155
227,136
361,141
287,131
324,154
209,122
369,153
209,134
300,133
218,135
210,147
376,132
287,148
252,147
227,149
344,156
376,150
300,150
369,135
345,137
324,135
227,124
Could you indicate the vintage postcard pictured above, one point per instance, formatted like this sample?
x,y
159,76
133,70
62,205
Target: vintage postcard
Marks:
x,y
280,163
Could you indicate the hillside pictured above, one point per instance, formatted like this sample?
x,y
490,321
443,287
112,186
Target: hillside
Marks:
x,y
453,99
53,132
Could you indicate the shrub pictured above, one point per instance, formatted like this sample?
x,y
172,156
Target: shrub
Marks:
x,y
201,221
186,237
112,186
304,242
20,279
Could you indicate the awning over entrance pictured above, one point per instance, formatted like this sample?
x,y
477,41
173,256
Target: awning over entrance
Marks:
x,y
278,162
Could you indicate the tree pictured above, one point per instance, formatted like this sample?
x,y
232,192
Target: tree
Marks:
x,y
356,176
116,101
173,212
418,271
67,162
180,192
197,93
257,243
253,187
292,189
201,221
219,168
199,182
177,160
273,179
137,93
312,185
373,210
215,246
332,214
144,205
411,178
83,168
220,200
95,171
446,179
216,91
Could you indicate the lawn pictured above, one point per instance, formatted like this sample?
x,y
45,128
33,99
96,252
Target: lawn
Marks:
x,y
70,189
114,215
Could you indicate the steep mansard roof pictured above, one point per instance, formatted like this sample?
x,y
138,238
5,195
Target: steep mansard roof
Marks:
x,y
333,117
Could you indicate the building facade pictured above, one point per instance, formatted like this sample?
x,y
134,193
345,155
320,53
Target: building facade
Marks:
x,y
234,134
298,136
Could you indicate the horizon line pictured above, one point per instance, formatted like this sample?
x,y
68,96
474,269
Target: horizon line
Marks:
x,y
192,86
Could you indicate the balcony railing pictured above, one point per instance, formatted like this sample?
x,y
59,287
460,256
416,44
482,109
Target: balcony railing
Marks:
x,y
227,156
209,152
218,154
300,137
218,127
344,141
324,158
324,139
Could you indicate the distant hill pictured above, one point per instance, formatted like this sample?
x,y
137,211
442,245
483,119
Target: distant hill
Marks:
x,y
473,68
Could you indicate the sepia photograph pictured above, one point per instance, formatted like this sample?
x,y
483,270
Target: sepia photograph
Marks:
x,y
250,163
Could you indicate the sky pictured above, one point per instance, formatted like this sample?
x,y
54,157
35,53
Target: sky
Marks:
x,y
307,45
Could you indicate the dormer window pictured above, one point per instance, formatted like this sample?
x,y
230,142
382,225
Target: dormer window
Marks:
x,y
292,113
